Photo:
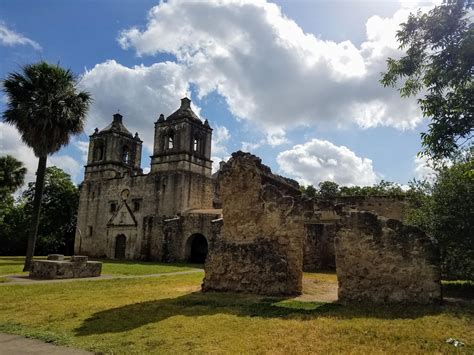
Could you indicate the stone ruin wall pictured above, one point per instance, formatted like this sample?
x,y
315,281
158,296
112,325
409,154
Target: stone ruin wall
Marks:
x,y
319,237
168,238
319,251
380,260
260,246
388,206
270,231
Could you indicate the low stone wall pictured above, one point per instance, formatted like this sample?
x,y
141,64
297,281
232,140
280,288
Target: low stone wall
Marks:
x,y
381,260
56,268
260,245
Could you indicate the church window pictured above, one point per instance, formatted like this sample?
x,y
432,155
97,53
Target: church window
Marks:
x,y
136,205
89,231
126,155
113,207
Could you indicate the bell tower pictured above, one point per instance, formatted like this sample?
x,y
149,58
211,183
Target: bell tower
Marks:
x,y
113,151
181,161
182,142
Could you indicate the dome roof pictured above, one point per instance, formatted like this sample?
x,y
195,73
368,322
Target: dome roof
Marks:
x,y
184,111
117,126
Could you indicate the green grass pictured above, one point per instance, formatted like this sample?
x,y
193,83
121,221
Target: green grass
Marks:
x,y
14,265
168,315
126,267
11,265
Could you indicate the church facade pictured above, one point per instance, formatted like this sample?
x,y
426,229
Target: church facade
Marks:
x,y
165,215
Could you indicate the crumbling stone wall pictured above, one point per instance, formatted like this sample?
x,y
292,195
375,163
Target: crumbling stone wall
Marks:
x,y
319,239
260,245
381,260
393,207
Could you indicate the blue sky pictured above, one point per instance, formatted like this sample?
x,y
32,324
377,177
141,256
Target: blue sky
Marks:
x,y
294,82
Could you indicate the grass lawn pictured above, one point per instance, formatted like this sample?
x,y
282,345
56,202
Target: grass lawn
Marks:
x,y
168,314
14,265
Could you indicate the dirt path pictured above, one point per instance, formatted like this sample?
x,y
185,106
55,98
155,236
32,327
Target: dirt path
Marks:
x,y
25,280
315,290
18,345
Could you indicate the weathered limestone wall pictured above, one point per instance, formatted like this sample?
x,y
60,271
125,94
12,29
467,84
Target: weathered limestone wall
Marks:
x,y
260,246
173,236
159,197
387,206
319,240
97,230
381,260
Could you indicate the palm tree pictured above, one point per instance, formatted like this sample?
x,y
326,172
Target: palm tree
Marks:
x,y
12,174
46,107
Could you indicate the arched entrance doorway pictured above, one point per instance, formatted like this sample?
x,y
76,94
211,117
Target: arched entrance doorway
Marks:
x,y
196,249
120,245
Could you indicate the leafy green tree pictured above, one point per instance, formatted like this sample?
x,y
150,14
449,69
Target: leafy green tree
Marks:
x,y
386,188
309,191
13,227
59,212
353,191
45,105
383,188
12,175
445,211
328,190
439,60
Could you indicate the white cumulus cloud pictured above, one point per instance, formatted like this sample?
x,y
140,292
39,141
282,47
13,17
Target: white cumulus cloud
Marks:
x,y
271,72
11,144
422,169
141,93
8,37
319,160
220,139
68,164
83,147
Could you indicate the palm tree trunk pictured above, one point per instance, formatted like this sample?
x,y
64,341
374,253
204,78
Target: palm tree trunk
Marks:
x,y
33,232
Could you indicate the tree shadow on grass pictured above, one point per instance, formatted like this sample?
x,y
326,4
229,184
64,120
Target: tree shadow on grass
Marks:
x,y
198,304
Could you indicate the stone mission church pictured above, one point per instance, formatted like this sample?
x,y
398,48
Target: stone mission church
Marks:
x,y
167,214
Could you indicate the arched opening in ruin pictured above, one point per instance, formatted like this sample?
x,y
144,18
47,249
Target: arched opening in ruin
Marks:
x,y
120,245
196,249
